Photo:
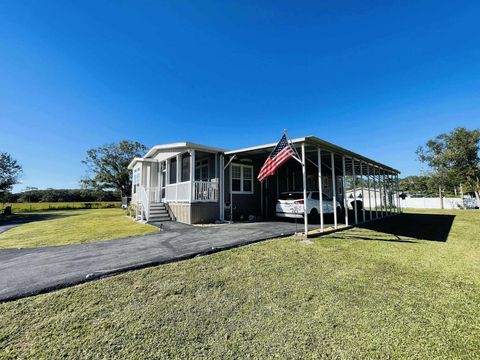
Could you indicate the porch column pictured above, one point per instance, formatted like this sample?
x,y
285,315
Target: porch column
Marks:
x,y
221,186
192,175
354,192
334,189
304,176
344,184
363,193
320,188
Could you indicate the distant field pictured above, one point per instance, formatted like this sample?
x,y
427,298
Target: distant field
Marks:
x,y
24,207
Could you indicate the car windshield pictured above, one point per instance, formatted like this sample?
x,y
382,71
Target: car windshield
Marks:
x,y
299,195
291,196
316,197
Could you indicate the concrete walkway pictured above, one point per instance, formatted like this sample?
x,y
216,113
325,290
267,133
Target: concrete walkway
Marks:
x,y
25,272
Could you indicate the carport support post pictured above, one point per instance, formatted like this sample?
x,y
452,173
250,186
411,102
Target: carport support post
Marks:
x,y
320,188
304,176
363,195
334,189
369,195
344,184
375,192
399,210
354,192
392,193
380,192
221,183
384,197
387,193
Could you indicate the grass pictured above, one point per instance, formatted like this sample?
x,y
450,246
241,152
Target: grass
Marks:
x,y
42,206
356,294
71,227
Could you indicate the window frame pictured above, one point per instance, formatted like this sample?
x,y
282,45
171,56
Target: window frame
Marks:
x,y
242,179
200,165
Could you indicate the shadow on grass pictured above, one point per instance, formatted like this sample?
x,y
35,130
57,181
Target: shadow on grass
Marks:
x,y
432,227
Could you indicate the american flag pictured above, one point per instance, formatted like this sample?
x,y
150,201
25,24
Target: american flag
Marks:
x,y
282,152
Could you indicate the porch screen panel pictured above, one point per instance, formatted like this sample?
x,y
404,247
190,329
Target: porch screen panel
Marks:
x,y
185,167
173,171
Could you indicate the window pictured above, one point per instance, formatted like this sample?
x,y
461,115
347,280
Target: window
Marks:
x,y
242,179
186,167
136,179
201,170
173,171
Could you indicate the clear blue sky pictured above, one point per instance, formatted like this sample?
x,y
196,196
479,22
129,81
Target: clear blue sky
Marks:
x,y
376,77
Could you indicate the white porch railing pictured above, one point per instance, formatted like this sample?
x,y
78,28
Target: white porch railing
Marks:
x,y
205,191
178,192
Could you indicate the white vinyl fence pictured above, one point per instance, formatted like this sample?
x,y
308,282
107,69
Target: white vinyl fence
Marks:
x,y
436,203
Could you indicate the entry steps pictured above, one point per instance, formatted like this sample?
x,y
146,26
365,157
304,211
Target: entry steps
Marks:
x,y
158,213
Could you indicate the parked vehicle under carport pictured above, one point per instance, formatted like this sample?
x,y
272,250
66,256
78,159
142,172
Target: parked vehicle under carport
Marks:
x,y
290,205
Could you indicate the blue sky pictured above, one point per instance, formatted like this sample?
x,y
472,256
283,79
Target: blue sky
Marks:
x,y
379,78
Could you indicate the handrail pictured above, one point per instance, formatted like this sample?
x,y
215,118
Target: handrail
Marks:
x,y
170,212
145,202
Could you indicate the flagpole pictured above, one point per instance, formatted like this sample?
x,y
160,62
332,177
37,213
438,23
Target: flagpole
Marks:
x,y
292,147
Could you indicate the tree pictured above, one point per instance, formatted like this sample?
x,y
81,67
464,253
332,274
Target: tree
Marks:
x,y
107,166
10,172
454,159
420,185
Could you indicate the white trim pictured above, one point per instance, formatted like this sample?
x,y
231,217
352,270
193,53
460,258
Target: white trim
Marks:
x,y
242,166
181,145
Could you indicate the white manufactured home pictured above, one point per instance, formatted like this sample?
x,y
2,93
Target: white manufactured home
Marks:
x,y
194,184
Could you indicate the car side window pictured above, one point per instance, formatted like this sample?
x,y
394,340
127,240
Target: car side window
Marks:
x,y
315,196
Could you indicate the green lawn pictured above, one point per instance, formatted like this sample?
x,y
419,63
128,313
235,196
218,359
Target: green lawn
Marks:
x,y
356,294
71,227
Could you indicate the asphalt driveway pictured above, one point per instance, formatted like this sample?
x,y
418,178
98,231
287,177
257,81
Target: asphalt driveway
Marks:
x,y
25,272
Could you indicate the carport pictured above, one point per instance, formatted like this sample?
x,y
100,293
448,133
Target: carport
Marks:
x,y
366,189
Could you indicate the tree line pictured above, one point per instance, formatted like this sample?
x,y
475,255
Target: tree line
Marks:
x,y
62,195
453,165
452,159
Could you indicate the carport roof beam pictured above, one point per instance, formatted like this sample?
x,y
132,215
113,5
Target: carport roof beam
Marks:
x,y
316,143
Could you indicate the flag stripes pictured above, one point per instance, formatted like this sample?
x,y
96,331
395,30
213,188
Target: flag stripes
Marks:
x,y
281,154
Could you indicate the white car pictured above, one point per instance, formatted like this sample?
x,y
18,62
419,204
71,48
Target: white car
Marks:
x,y
290,204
